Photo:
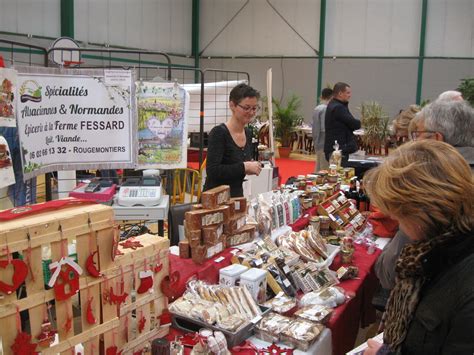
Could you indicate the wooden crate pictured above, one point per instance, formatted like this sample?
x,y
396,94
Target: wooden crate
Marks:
x,y
92,228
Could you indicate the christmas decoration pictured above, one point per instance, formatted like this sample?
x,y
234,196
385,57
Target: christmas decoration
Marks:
x,y
169,285
275,350
90,315
146,281
65,276
131,243
23,345
91,267
20,271
141,324
47,335
113,350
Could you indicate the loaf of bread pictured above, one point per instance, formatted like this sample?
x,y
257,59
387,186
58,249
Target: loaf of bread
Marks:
x,y
240,204
194,237
235,223
241,236
184,250
202,218
211,235
214,197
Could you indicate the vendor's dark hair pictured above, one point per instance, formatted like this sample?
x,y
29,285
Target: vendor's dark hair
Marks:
x,y
340,87
242,91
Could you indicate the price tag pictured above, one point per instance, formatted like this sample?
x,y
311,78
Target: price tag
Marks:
x,y
256,319
219,259
286,269
286,283
234,251
258,262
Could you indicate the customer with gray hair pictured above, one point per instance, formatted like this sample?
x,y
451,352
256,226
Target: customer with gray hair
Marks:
x,y
450,95
448,121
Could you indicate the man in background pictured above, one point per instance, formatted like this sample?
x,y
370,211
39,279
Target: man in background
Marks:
x,y
340,124
319,130
450,95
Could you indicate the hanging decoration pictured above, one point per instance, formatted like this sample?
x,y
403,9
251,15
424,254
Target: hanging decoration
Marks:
x,y
113,350
159,265
146,279
23,345
89,313
141,322
169,285
65,276
20,271
91,267
47,335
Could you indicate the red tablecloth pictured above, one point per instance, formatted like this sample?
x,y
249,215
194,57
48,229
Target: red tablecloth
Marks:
x,y
302,222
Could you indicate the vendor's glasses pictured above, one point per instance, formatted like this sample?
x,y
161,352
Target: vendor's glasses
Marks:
x,y
249,108
416,135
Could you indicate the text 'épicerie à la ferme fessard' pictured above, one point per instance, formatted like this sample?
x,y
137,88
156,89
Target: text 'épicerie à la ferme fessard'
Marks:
x,y
72,109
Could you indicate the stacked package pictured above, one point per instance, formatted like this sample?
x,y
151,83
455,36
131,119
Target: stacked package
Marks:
x,y
218,222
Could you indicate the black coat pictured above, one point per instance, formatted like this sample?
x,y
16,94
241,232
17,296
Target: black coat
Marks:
x,y
339,126
444,318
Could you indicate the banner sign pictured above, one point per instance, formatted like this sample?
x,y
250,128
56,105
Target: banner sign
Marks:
x,y
162,125
7,102
69,121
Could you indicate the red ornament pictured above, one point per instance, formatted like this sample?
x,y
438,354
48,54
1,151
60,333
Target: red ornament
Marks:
x,y
68,324
117,299
131,243
165,317
23,345
141,324
47,335
112,350
139,352
90,315
65,276
275,350
158,268
90,266
20,271
169,285
146,281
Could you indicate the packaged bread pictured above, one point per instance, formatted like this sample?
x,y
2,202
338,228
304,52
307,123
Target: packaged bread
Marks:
x,y
184,250
240,204
202,218
211,235
281,303
199,254
193,236
231,205
301,334
315,313
212,250
235,223
271,326
243,235
215,197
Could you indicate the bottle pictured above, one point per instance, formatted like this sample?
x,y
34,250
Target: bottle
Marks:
x,y
352,194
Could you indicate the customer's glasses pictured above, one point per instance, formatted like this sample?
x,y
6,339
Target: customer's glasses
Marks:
x,y
416,135
249,108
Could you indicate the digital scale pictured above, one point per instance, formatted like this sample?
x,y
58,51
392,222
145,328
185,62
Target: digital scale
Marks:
x,y
144,191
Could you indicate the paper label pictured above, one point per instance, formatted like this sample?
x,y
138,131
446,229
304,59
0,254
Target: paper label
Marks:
x,y
219,259
286,269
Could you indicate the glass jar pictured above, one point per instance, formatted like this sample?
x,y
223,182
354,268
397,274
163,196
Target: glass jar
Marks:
x,y
314,222
324,225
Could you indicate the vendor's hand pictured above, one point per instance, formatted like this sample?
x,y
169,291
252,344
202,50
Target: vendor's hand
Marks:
x,y
373,347
252,167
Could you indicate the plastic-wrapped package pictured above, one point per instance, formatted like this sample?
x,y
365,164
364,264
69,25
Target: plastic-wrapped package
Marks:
x,y
281,303
301,334
264,218
212,198
330,297
314,313
271,326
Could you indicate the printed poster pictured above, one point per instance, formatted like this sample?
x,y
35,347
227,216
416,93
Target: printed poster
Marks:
x,y
162,125
8,79
7,175
73,122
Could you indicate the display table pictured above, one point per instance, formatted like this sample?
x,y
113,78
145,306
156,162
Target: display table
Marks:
x,y
346,319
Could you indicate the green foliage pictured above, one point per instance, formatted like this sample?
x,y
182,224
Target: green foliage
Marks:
x,y
467,90
424,102
286,119
374,121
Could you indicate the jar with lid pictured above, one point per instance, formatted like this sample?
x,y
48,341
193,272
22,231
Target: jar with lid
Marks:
x,y
324,225
314,222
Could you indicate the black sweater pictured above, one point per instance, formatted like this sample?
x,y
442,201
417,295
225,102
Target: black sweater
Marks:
x,y
225,160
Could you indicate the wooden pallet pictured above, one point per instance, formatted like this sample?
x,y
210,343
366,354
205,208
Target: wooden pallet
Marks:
x,y
92,227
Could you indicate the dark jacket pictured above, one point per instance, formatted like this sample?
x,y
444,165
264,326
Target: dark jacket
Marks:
x,y
225,160
444,319
340,124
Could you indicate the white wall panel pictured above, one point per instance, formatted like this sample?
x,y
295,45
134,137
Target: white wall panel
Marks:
x,y
162,25
372,27
39,17
450,28
258,29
